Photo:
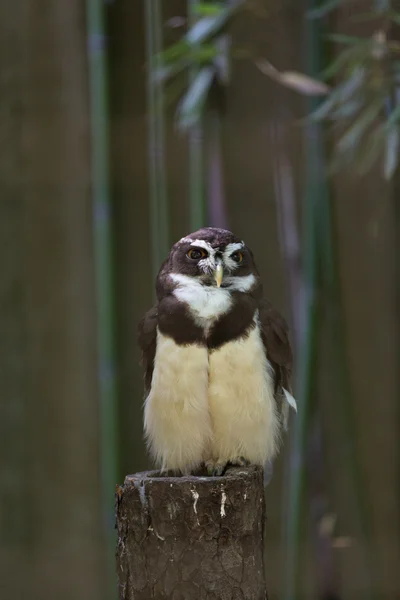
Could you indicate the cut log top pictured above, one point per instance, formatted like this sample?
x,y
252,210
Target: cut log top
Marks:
x,y
188,538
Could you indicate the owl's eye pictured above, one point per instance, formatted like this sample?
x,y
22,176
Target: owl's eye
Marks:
x,y
237,257
196,253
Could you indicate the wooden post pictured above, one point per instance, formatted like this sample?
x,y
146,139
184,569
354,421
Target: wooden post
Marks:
x,y
191,538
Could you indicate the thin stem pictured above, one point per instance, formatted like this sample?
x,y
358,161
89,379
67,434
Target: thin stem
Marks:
x,y
307,358
344,396
304,388
217,214
155,100
196,154
103,250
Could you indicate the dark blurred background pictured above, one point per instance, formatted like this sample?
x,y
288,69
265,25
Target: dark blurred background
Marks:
x,y
82,231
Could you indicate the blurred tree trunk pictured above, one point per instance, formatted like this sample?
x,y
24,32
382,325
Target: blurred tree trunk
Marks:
x,y
51,546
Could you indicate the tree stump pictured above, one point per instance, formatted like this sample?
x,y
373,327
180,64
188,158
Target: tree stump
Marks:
x,y
191,538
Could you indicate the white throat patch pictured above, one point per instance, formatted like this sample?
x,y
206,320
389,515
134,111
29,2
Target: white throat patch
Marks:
x,y
206,303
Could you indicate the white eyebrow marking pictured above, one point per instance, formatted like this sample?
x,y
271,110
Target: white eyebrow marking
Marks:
x,y
205,245
230,248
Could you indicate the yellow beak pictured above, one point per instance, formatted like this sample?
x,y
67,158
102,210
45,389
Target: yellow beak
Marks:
x,y
218,274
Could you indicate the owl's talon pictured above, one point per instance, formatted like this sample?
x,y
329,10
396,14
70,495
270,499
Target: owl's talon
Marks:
x,y
215,469
210,466
239,461
219,469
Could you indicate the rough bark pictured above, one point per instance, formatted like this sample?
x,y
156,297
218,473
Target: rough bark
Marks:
x,y
191,538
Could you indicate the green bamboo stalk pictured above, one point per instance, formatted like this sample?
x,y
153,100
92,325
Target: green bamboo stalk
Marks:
x,y
330,282
320,264
306,374
156,134
103,246
344,399
307,359
197,209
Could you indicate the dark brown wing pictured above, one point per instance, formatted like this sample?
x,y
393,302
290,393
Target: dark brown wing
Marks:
x,y
275,336
147,337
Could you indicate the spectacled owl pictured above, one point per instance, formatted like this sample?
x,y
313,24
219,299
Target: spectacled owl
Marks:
x,y
217,359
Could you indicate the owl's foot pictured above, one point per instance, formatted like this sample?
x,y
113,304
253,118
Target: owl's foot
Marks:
x,y
239,461
216,469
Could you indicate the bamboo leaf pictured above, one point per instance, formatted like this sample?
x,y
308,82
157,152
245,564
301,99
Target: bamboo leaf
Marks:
x,y
391,152
323,10
395,16
166,72
346,110
336,98
363,17
323,109
352,84
303,83
211,25
202,54
293,79
393,118
370,153
174,52
175,89
354,134
337,64
382,6
347,40
175,22
207,9
192,104
347,106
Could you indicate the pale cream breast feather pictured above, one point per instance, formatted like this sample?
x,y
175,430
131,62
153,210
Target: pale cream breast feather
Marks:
x,y
217,405
176,415
241,398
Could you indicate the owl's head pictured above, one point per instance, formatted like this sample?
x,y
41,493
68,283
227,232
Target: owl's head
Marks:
x,y
212,257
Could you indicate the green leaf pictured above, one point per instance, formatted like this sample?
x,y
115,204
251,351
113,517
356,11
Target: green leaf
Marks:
x,y
178,60
361,17
164,73
347,110
207,9
335,104
210,26
174,52
204,53
324,108
391,152
394,16
193,102
382,6
393,118
352,84
354,134
323,10
370,153
338,64
346,39
175,89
